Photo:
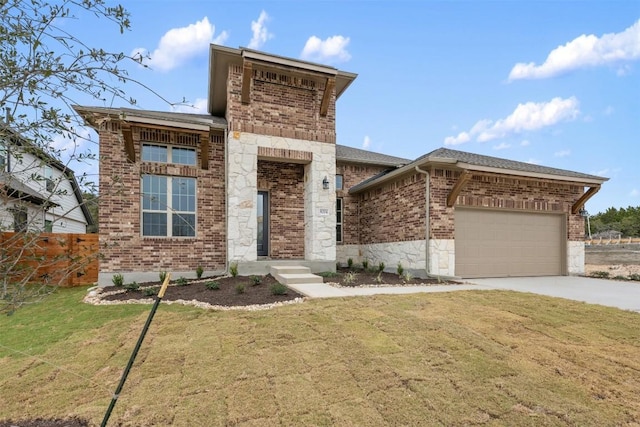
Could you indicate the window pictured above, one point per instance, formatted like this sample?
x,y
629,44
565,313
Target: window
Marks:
x,y
48,179
168,154
168,206
338,182
48,226
19,219
339,220
4,158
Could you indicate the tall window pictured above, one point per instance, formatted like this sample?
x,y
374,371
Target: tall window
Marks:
x,y
168,206
168,154
4,158
339,220
20,219
339,182
48,179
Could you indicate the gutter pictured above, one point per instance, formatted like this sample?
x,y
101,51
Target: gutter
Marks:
x,y
427,217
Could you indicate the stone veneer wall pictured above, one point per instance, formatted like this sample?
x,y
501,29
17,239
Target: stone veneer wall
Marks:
x,y
411,254
285,184
123,248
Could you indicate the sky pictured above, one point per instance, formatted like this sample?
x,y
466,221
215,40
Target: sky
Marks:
x,y
546,82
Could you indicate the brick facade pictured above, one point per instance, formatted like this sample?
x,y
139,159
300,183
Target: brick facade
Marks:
x,y
122,245
285,185
280,105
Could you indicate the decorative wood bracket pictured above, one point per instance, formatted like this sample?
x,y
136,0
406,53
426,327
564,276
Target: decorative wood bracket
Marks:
x,y
583,199
127,134
326,96
247,72
204,150
453,194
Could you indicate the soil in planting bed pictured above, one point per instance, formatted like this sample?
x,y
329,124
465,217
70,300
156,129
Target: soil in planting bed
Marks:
x,y
232,292
42,422
353,277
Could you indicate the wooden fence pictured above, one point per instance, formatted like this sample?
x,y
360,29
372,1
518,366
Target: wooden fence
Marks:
x,y
59,259
615,241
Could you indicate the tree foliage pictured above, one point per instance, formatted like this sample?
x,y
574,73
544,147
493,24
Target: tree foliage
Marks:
x,y
45,68
625,221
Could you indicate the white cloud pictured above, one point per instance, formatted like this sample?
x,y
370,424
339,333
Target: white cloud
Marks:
x,y
562,153
533,161
199,106
584,51
260,32
330,50
609,110
366,143
525,143
179,45
502,146
526,117
635,192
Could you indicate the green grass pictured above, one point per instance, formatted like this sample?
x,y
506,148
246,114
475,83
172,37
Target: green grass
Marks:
x,y
463,358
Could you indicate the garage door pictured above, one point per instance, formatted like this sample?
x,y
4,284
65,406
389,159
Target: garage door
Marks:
x,y
502,244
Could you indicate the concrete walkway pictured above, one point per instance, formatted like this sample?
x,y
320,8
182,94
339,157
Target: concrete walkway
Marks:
x,y
612,293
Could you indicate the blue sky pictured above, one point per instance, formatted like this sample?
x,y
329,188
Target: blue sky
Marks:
x,y
552,83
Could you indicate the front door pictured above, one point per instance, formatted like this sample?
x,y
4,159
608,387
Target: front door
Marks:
x,y
263,223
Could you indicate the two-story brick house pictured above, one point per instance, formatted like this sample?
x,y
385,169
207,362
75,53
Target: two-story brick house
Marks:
x,y
261,181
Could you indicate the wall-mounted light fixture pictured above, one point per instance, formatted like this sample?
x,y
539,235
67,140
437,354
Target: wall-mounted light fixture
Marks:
x,y
583,213
325,183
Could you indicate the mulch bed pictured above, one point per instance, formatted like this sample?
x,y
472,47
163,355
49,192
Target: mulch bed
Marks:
x,y
236,291
352,277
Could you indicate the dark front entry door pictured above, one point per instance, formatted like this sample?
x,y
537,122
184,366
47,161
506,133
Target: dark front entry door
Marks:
x,y
263,223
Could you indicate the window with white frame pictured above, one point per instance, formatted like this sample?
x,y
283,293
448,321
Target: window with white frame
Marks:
x,y
168,154
48,179
339,220
20,219
168,206
339,183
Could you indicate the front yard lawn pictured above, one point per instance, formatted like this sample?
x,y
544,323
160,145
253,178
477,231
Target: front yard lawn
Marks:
x,y
460,358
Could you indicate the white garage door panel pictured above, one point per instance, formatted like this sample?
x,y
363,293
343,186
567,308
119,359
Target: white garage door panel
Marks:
x,y
499,244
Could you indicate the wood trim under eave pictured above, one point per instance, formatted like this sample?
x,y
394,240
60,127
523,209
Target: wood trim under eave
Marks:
x,y
583,199
247,72
326,96
127,134
453,194
204,150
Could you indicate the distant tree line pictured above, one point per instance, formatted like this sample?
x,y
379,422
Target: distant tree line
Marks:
x,y
625,221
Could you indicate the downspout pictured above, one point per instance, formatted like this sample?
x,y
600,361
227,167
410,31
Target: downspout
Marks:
x,y
226,197
427,218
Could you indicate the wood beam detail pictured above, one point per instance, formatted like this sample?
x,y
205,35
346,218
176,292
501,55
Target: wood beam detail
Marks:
x,y
326,96
583,199
247,73
453,194
127,134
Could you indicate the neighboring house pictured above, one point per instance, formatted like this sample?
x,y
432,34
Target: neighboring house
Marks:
x,y
37,192
260,181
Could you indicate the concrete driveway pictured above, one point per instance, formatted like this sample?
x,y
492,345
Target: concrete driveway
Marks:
x,y
612,293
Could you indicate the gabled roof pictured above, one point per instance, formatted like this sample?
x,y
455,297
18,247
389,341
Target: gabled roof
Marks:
x,y
18,190
356,155
476,162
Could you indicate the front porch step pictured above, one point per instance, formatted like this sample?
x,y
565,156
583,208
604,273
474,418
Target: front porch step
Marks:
x,y
294,275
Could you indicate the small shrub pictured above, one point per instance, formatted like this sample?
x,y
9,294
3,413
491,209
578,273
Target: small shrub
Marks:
x,y
181,281
600,274
407,277
199,272
149,292
256,280
619,277
400,269
365,264
233,269
381,267
117,279
213,285
350,263
349,278
634,276
162,275
279,289
133,286
328,274
378,279
240,289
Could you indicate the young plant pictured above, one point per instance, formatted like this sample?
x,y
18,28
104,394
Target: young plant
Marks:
x,y
213,285
600,274
279,289
149,292
162,275
407,277
256,280
365,264
199,272
240,289
378,279
133,286
635,277
117,279
400,269
181,281
350,263
381,267
349,278
233,269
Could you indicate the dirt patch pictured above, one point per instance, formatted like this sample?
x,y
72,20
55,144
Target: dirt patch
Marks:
x,y
41,422
359,277
231,292
617,261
